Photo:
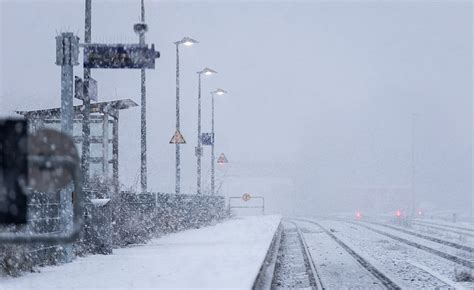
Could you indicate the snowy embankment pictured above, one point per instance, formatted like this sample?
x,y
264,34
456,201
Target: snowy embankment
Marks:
x,y
226,255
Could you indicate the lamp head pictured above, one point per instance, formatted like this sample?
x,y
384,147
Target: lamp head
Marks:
x,y
207,71
187,41
219,92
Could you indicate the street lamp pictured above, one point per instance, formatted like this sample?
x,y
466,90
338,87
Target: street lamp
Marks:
x,y
205,71
218,92
186,41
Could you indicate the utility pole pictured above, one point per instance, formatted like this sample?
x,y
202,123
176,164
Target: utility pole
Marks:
x,y
178,152
95,56
205,71
143,108
199,146
413,193
67,54
213,157
86,131
187,42
212,148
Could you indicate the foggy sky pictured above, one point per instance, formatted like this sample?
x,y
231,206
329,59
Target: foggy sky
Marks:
x,y
321,95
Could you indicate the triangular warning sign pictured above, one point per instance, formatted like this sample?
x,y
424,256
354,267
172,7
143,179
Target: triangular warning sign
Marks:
x,y
177,138
222,159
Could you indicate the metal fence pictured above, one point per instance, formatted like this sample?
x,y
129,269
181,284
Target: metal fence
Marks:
x,y
43,217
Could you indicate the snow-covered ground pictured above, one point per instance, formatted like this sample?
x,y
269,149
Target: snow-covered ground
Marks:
x,y
336,267
407,266
292,269
394,257
227,255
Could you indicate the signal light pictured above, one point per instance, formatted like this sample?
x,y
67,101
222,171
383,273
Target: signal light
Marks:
x,y
420,212
398,213
358,215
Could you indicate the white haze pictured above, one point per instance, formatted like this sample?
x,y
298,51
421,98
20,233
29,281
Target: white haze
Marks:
x,y
321,95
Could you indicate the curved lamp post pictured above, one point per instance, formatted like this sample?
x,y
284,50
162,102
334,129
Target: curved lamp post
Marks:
x,y
206,71
186,41
218,92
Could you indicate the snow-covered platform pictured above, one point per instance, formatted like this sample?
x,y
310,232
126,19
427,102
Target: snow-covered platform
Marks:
x,y
226,255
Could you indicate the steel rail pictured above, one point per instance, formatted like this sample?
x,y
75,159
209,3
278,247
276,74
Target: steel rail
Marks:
x,y
387,282
315,278
429,238
452,258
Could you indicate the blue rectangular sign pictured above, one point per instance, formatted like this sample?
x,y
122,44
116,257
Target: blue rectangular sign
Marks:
x,y
207,138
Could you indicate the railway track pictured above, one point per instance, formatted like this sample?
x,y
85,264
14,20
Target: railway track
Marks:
x,y
461,261
444,226
294,267
446,229
429,238
381,277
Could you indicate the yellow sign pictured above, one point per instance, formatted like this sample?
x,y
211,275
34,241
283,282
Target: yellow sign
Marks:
x,y
177,138
222,159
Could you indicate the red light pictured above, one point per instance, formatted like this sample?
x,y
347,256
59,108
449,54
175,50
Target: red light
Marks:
x,y
398,213
420,212
358,215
